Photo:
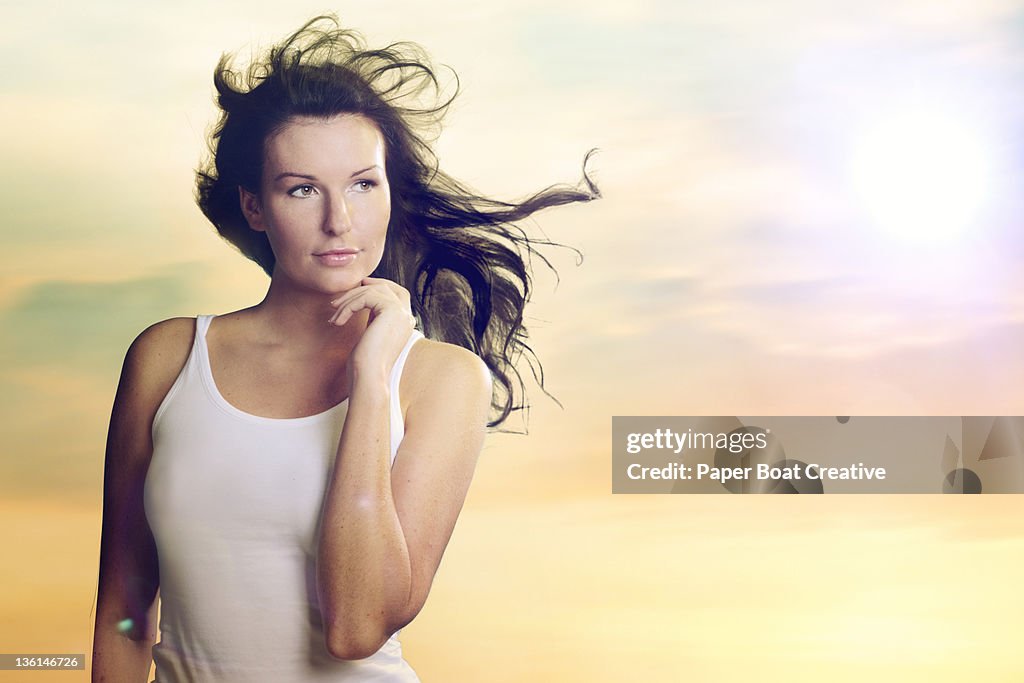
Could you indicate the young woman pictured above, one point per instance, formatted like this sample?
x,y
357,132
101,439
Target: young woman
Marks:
x,y
286,477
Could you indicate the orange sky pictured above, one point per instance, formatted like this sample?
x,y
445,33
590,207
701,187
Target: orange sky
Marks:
x,y
599,588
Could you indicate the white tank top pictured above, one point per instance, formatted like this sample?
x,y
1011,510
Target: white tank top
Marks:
x,y
234,502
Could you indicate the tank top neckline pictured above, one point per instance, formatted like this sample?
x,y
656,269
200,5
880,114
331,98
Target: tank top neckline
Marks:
x,y
202,325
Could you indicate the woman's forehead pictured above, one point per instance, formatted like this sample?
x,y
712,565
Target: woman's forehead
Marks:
x,y
341,144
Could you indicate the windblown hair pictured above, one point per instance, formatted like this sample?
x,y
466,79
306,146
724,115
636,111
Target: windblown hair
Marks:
x,y
462,256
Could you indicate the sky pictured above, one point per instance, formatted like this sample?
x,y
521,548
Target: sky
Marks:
x,y
808,209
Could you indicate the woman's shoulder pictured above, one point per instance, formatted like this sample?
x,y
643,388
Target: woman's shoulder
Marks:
x,y
150,368
164,339
159,353
435,367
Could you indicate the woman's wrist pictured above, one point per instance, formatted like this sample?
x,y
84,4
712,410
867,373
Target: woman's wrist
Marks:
x,y
369,381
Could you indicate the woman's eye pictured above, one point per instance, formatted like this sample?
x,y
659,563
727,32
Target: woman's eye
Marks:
x,y
303,191
364,185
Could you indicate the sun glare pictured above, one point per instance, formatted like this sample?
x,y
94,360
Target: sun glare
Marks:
x,y
922,175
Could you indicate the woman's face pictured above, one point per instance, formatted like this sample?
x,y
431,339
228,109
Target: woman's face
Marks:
x,y
324,201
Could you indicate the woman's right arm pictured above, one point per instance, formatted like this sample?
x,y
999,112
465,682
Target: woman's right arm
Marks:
x,y
129,579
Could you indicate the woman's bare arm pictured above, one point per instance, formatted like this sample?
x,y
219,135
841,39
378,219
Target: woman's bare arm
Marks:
x,y
126,606
385,529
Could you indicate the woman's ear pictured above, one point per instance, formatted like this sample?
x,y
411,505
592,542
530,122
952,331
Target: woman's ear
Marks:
x,y
251,209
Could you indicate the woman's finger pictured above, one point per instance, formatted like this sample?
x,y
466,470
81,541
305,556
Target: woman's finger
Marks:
x,y
399,290
400,294
347,296
357,292
375,299
350,305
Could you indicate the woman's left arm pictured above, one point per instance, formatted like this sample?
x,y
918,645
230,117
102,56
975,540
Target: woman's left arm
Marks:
x,y
384,529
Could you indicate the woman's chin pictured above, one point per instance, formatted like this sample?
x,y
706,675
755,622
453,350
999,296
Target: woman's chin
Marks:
x,y
344,284
332,286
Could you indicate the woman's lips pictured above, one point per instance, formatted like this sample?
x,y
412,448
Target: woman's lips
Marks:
x,y
337,257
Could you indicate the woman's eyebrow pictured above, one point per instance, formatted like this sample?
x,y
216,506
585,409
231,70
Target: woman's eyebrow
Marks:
x,y
287,174
368,168
292,174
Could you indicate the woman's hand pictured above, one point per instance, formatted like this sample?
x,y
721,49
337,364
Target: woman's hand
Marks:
x,y
390,323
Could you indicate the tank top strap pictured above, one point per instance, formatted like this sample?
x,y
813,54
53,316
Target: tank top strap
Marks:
x,y
199,352
191,372
202,325
397,419
396,371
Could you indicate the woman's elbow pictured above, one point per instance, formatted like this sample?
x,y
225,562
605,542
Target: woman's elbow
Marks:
x,y
350,644
360,639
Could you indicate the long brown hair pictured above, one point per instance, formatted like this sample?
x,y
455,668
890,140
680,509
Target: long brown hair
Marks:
x,y
461,255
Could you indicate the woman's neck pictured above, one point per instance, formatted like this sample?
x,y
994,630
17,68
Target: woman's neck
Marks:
x,y
299,320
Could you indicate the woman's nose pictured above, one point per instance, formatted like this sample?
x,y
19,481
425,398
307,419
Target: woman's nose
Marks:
x,y
337,219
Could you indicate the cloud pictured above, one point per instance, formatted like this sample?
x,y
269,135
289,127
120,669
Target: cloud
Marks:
x,y
83,325
62,344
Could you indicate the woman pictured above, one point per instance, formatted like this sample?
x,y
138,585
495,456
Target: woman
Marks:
x,y
286,477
